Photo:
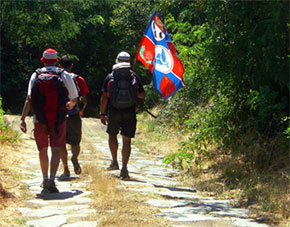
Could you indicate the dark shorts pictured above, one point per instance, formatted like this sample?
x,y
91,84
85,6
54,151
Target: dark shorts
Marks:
x,y
74,129
122,121
43,137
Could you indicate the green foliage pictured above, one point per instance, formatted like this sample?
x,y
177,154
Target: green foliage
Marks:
x,y
152,96
6,134
235,102
3,126
237,89
70,27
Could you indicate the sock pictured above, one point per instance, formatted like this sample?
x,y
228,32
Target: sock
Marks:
x,y
52,177
45,177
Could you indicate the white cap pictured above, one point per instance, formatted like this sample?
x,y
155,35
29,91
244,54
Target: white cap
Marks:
x,y
123,57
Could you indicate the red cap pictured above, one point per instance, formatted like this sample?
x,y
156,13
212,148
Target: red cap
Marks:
x,y
49,56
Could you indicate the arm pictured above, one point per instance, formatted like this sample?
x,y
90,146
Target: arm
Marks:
x,y
70,86
104,104
85,101
141,95
27,103
25,112
72,91
70,104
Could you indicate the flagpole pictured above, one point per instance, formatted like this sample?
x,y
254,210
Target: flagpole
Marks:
x,y
134,63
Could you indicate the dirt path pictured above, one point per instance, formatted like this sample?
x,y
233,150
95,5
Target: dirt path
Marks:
x,y
179,205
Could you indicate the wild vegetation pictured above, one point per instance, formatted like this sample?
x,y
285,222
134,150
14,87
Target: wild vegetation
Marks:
x,y
233,113
12,191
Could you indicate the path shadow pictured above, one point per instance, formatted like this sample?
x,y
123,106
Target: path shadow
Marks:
x,y
175,189
134,180
59,196
130,179
67,178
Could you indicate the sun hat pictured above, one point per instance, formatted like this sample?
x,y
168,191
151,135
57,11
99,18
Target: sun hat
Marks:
x,y
123,57
49,56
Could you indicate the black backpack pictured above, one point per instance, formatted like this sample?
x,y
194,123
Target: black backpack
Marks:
x,y
123,88
80,103
49,97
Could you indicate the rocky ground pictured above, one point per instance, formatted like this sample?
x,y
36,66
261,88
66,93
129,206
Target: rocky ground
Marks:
x,y
180,205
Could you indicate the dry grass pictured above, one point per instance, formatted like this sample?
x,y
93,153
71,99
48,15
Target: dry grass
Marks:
x,y
226,177
117,206
13,190
151,140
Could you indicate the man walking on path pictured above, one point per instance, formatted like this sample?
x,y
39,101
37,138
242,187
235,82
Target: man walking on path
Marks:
x,y
120,91
48,91
74,122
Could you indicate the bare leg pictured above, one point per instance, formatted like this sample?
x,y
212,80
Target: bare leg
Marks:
x,y
55,158
113,144
43,159
75,153
75,149
63,156
126,151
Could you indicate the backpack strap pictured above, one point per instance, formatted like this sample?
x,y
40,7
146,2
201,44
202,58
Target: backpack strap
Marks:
x,y
74,76
110,77
58,71
38,71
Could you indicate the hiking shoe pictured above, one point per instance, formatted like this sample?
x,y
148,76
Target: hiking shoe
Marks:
x,y
124,175
113,166
65,174
44,185
76,165
51,187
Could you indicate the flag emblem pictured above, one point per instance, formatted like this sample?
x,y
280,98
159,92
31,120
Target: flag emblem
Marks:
x,y
163,59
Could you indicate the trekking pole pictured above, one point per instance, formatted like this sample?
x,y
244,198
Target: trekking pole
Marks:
x,y
146,109
151,114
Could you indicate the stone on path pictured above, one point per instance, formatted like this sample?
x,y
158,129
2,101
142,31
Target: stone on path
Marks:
x,y
182,206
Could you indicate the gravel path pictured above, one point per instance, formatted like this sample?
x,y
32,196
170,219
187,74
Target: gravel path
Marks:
x,y
71,207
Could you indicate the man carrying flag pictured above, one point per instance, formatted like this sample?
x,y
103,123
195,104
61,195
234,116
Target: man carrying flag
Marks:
x,y
157,52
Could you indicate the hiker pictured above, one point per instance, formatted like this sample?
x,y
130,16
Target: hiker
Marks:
x,y
48,91
120,91
74,122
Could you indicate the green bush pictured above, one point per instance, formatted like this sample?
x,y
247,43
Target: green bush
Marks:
x,y
3,125
237,92
7,135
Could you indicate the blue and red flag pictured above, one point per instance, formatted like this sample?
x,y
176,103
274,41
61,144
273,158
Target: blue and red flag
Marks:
x,y
157,52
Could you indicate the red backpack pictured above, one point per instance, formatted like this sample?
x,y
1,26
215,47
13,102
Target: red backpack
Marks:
x,y
49,97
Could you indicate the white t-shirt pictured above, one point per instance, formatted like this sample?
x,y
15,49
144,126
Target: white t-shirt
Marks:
x,y
67,80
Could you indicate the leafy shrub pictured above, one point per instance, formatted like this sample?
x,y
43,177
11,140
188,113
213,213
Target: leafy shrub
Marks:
x,y
235,95
3,125
7,135
152,96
